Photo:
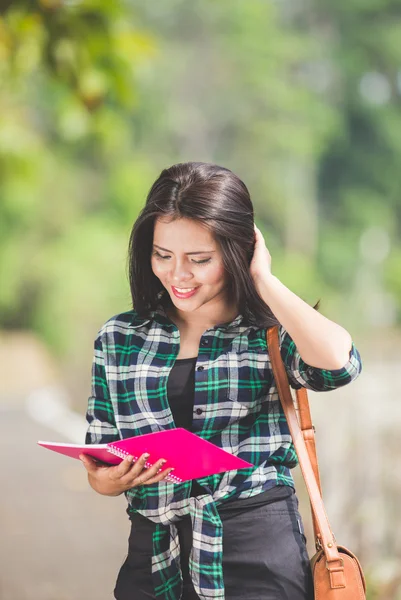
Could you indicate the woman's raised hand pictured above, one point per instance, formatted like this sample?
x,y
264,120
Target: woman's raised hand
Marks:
x,y
261,261
114,480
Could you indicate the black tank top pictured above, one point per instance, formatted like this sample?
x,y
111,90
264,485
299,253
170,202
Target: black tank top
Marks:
x,y
180,392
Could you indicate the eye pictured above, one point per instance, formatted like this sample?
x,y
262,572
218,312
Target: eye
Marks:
x,y
166,256
157,255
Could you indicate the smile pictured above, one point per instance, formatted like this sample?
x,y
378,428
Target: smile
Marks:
x,y
184,292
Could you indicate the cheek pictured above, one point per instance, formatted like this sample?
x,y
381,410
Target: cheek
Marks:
x,y
157,269
213,276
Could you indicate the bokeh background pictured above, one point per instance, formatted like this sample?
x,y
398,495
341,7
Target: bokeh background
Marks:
x,y
300,98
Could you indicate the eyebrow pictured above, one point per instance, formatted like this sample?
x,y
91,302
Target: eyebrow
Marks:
x,y
198,252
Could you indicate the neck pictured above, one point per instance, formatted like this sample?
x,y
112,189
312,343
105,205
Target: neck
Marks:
x,y
202,319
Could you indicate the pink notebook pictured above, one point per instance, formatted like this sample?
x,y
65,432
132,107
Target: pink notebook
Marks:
x,y
191,456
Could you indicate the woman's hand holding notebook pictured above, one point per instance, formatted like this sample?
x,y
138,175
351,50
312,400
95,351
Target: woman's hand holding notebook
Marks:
x,y
191,456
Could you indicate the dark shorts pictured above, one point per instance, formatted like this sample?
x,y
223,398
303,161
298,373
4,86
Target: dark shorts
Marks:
x,y
264,553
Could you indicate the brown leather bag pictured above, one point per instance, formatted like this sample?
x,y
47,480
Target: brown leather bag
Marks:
x,y
337,573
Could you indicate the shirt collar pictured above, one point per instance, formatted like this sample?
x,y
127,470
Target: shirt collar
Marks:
x,y
160,316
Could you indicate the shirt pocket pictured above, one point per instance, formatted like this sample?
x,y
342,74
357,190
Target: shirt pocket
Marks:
x,y
218,409
241,385
249,379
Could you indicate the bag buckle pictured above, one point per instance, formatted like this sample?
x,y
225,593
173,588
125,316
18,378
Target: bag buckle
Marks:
x,y
333,570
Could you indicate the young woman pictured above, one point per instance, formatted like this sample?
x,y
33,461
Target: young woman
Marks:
x,y
193,353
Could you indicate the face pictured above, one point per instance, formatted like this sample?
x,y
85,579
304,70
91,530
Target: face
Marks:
x,y
189,264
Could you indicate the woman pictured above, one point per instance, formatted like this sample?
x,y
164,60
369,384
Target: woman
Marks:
x,y
194,354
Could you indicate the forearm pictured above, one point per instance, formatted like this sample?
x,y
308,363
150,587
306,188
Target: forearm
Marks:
x,y
320,342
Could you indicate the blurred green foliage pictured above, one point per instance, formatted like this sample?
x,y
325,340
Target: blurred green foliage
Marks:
x,y
301,100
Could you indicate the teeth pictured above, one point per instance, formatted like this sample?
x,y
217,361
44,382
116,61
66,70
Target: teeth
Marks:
x,y
184,290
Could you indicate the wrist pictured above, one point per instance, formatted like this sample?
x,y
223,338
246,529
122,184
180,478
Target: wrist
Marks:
x,y
104,488
263,282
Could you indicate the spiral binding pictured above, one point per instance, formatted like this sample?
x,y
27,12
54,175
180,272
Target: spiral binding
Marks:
x,y
123,454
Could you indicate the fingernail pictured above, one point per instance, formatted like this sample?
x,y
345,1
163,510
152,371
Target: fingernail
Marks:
x,y
146,455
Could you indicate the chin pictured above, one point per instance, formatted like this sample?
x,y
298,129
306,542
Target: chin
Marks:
x,y
184,305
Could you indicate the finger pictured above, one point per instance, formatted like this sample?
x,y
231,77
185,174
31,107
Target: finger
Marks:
x,y
259,239
258,233
162,475
154,470
147,474
89,463
129,466
123,468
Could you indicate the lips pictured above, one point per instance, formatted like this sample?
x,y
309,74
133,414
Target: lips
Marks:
x,y
180,293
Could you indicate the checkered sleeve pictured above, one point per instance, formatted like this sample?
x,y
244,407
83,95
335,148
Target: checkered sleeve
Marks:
x,y
300,374
100,415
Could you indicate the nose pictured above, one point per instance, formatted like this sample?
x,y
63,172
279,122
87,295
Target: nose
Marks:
x,y
180,274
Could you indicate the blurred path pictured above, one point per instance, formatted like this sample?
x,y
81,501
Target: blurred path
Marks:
x,y
62,541
59,539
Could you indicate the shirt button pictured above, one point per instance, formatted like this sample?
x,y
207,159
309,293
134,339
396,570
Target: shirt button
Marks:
x,y
200,368
199,411
204,342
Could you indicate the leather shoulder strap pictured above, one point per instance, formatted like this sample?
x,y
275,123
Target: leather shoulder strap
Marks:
x,y
324,534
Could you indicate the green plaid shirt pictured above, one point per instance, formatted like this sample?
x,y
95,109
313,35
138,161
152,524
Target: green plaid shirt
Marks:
x,y
236,407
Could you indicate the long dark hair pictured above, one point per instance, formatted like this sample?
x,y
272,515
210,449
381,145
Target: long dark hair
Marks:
x,y
218,199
